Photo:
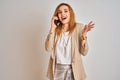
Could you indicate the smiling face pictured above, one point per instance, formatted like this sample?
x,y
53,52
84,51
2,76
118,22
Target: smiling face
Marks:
x,y
64,14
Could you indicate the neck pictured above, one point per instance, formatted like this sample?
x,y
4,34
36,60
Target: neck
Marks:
x,y
65,27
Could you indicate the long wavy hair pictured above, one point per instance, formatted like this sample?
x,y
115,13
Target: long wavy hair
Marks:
x,y
72,21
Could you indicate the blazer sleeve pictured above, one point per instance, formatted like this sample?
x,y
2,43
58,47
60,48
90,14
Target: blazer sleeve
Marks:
x,y
82,48
49,43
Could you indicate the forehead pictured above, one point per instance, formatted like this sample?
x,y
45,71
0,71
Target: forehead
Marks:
x,y
63,7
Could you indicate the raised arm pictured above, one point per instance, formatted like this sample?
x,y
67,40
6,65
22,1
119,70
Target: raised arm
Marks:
x,y
49,43
84,44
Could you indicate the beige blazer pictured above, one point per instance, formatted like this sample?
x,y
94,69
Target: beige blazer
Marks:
x,y
77,51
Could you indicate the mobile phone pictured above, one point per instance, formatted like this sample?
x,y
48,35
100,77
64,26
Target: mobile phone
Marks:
x,y
57,22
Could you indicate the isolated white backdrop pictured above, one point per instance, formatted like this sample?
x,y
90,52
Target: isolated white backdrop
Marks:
x,y
24,25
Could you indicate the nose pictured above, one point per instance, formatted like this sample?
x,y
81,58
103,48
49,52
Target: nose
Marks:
x,y
63,13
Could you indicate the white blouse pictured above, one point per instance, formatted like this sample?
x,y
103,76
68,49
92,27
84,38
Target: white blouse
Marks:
x,y
63,49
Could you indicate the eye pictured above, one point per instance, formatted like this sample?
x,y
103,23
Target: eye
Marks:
x,y
65,11
59,12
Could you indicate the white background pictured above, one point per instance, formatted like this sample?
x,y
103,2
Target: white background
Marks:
x,y
24,25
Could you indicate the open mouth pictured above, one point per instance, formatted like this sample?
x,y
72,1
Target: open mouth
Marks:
x,y
63,18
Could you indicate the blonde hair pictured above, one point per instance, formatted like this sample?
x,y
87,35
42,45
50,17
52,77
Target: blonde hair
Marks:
x,y
72,22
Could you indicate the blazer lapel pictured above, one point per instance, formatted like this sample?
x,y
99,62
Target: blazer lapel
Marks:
x,y
73,36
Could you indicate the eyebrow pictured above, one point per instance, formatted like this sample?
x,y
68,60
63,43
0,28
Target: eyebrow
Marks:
x,y
64,9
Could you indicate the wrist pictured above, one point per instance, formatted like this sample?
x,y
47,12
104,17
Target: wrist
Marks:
x,y
52,30
84,37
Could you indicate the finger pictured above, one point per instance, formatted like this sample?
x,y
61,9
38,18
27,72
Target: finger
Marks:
x,y
54,17
91,26
85,26
90,22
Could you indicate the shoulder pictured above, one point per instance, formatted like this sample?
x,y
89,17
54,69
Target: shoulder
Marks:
x,y
79,26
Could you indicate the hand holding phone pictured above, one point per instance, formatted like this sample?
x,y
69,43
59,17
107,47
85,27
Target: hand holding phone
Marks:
x,y
57,22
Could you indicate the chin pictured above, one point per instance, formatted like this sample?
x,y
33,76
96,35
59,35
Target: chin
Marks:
x,y
65,22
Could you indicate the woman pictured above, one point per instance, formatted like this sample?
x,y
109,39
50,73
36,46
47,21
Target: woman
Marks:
x,y
66,41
